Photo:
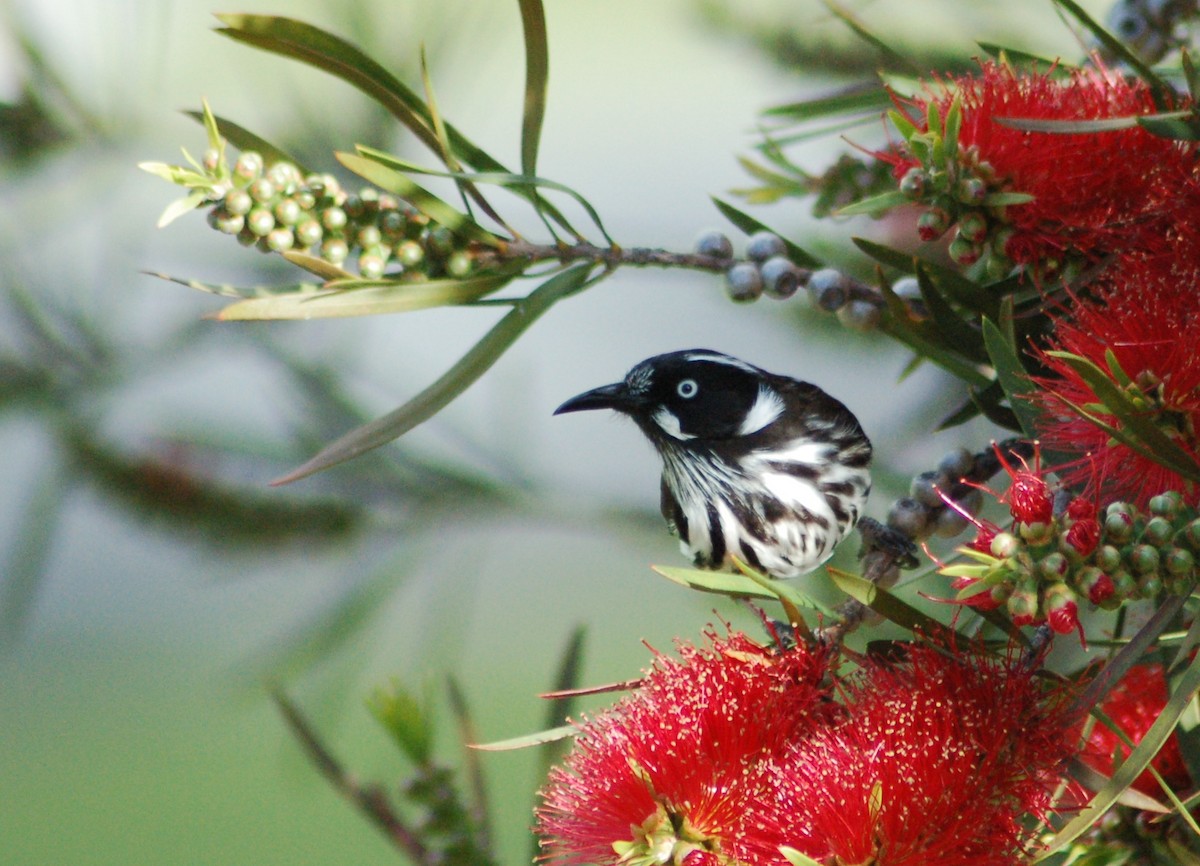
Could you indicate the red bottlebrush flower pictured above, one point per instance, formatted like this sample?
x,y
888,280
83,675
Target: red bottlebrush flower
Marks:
x,y
665,775
1094,193
1133,705
1083,533
1029,498
938,760
1146,320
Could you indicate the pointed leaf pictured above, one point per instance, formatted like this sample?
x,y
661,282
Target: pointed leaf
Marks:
x,y
1175,125
1017,57
797,858
891,56
317,266
375,299
1159,88
876,204
738,585
396,182
180,206
503,179
955,332
525,741
885,604
454,381
867,96
1133,419
25,572
1011,375
953,284
292,38
1134,764
537,73
227,290
244,139
750,225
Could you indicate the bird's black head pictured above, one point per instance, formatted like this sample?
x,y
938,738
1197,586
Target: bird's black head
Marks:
x,y
696,394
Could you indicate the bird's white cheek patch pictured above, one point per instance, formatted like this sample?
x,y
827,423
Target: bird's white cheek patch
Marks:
x,y
768,406
669,424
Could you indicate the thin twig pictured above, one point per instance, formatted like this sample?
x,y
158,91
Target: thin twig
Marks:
x,y
372,799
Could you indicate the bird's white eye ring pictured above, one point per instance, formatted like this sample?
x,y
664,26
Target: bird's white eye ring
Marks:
x,y
687,389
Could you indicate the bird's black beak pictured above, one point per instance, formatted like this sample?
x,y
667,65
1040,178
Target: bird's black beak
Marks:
x,y
615,396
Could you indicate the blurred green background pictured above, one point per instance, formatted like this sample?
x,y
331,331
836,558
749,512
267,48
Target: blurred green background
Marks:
x,y
154,587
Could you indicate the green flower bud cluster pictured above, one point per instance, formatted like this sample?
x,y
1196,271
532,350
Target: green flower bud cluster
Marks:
x,y
276,209
1040,571
960,190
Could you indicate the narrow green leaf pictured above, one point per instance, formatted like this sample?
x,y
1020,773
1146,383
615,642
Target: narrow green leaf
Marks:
x,y
373,298
898,324
988,401
227,290
537,74
892,57
298,40
453,382
181,206
1133,419
954,285
904,126
1176,128
1017,57
1134,764
1068,127
797,858
954,331
750,225
565,680
1001,199
25,562
876,204
289,37
406,718
1159,88
867,96
503,179
317,266
967,410
396,182
243,139
885,604
738,586
525,741
719,582
1011,374
1190,74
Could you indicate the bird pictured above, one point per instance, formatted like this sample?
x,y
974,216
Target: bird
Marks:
x,y
755,465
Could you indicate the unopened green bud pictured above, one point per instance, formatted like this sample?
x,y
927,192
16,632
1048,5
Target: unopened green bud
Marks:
x,y
309,233
288,212
410,254
459,264
369,236
249,166
238,202
1158,531
335,251
333,219
1118,526
260,221
371,265
1166,504
281,239
262,190
1005,545
1053,566
1144,559
1179,562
